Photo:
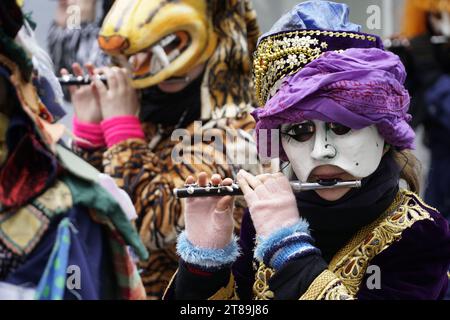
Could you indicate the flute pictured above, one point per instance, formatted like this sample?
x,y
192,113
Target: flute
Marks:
x,y
71,80
192,191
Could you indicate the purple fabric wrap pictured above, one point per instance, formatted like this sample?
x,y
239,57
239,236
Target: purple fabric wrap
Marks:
x,y
356,88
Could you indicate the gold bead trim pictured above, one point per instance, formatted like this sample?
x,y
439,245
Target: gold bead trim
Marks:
x,y
285,53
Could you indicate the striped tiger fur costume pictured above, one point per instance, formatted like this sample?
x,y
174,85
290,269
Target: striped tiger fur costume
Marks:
x,y
145,169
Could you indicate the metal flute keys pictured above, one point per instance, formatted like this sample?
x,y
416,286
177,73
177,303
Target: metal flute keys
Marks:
x,y
71,80
192,191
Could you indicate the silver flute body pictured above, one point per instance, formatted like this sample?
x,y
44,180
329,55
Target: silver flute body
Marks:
x,y
193,191
71,80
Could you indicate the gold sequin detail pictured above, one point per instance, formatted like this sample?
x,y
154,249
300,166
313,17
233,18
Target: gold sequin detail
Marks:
x,y
286,53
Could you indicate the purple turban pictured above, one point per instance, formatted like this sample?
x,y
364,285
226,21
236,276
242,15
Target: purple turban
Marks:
x,y
356,88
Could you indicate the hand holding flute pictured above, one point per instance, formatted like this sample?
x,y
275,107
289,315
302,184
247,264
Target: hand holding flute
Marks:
x,y
72,80
96,102
84,98
270,199
194,190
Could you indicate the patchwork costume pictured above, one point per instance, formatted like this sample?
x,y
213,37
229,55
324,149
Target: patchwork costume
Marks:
x,y
314,68
64,228
160,40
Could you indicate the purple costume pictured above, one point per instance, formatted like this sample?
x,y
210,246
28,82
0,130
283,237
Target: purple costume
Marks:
x,y
376,242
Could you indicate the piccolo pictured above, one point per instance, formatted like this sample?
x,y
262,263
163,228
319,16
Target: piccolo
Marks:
x,y
194,190
71,80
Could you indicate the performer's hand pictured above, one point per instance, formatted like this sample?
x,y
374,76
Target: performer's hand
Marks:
x,y
209,220
119,98
271,202
85,99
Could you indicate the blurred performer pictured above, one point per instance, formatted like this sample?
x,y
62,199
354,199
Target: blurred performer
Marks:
x,y
73,34
338,100
191,61
427,25
64,227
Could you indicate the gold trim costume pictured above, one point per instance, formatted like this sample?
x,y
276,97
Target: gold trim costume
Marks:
x,y
376,242
162,40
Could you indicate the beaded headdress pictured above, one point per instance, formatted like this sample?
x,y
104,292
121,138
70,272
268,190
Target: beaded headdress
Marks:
x,y
300,37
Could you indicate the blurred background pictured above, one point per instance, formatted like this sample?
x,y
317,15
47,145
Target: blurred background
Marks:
x,y
268,12
390,13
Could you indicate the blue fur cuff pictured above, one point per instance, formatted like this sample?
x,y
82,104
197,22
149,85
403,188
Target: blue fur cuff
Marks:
x,y
267,244
207,258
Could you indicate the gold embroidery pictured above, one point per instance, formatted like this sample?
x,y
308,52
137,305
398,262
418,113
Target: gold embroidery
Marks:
x,y
326,286
261,286
336,291
285,53
351,262
343,278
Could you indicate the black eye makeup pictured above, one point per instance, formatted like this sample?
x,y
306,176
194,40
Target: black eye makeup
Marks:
x,y
337,129
300,132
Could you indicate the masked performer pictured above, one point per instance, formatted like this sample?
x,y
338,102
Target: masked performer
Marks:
x,y
339,102
190,61
427,26
64,231
72,36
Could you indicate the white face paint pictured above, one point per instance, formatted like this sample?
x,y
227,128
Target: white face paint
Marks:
x,y
311,144
441,23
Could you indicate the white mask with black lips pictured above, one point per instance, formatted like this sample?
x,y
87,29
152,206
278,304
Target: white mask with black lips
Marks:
x,y
311,144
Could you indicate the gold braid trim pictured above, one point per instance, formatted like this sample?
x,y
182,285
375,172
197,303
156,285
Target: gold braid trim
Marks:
x,y
344,275
226,293
326,286
351,262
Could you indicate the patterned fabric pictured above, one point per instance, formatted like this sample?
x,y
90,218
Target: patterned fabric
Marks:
x,y
127,275
22,231
9,261
93,157
227,82
53,281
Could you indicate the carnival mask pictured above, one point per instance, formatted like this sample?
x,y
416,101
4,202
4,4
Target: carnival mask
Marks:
x,y
311,144
158,39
